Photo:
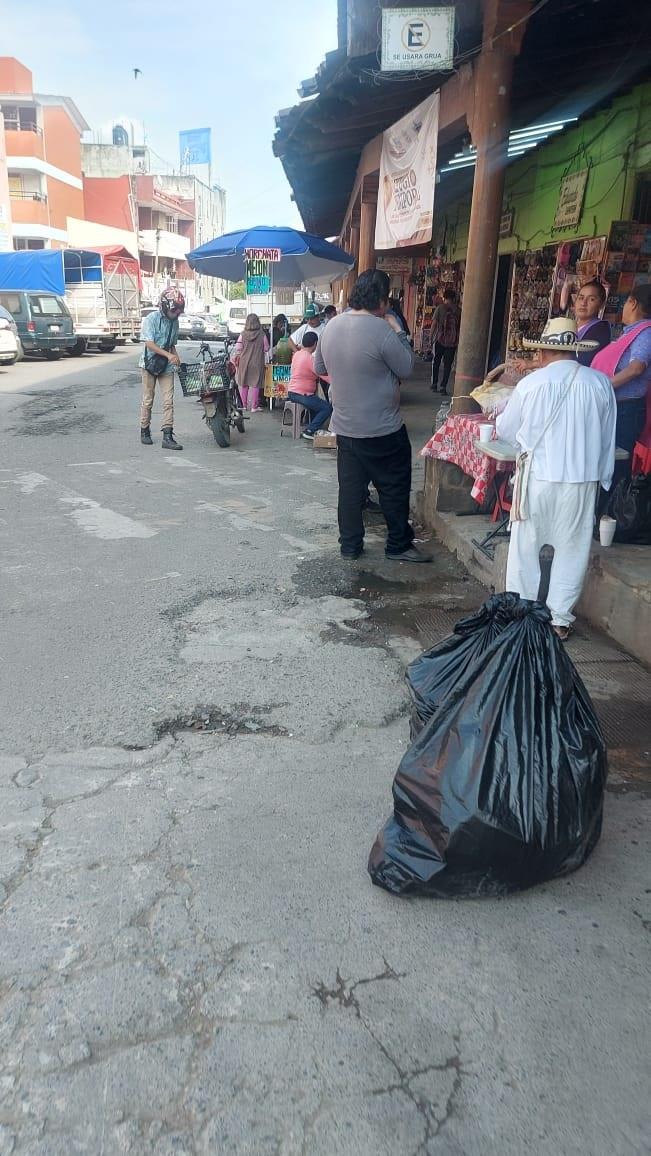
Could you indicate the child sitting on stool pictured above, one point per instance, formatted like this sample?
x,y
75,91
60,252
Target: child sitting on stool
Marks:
x,y
303,384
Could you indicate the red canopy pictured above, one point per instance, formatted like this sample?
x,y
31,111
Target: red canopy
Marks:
x,y
117,259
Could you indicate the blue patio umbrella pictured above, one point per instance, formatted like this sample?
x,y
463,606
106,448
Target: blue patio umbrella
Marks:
x,y
304,257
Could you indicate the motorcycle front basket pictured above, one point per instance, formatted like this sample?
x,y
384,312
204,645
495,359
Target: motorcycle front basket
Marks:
x,y
191,378
217,375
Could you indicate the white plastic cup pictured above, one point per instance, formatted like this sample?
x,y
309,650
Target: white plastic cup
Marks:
x,y
607,527
486,431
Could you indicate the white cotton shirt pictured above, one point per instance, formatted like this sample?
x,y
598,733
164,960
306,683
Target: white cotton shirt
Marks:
x,y
579,445
297,337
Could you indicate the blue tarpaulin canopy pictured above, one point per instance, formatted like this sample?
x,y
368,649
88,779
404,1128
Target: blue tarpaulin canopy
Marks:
x,y
82,266
40,270
304,257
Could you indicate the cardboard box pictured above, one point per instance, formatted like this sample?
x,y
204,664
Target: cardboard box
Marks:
x,y
324,440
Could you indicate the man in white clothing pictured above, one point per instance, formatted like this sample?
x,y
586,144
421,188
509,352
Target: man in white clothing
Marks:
x,y
312,321
564,415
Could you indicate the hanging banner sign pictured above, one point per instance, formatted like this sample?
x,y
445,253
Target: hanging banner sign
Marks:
x,y
263,255
417,39
258,278
506,223
405,205
394,264
570,201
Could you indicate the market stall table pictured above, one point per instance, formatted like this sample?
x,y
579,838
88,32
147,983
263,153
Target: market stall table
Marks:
x,y
456,441
504,455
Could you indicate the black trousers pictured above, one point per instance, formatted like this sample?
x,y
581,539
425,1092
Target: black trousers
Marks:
x,y
386,462
445,354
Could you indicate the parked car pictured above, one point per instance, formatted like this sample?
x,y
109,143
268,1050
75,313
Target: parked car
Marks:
x,y
9,340
43,321
215,330
237,315
191,327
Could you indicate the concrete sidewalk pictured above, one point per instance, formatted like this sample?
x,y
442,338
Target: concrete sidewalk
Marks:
x,y
617,593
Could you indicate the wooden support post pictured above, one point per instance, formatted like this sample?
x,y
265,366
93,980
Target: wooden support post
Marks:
x,y
489,120
368,214
353,249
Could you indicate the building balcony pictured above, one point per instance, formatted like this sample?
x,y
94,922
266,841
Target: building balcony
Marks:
x,y
168,246
151,195
29,209
24,142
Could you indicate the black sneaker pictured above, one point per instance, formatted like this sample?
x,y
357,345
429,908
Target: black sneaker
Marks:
x,y
352,554
307,435
410,555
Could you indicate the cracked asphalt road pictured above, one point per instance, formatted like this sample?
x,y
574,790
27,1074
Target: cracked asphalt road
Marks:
x,y
203,712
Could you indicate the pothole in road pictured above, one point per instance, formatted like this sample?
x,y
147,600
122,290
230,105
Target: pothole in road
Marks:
x,y
185,608
56,413
219,631
213,720
373,578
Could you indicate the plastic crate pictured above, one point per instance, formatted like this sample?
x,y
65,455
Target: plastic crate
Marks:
x,y
204,377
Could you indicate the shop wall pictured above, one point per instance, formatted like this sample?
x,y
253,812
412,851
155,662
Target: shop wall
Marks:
x,y
14,77
62,140
63,202
451,230
614,145
611,145
107,200
83,234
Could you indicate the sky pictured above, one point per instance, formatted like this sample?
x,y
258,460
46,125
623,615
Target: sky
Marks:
x,y
227,65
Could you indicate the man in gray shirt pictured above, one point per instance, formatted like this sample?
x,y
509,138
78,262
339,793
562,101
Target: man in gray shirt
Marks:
x,y
365,354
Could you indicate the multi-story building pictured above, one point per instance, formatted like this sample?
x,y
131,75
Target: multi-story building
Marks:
x,y
42,136
127,186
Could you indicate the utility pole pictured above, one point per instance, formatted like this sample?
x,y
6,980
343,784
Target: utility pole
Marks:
x,y
157,246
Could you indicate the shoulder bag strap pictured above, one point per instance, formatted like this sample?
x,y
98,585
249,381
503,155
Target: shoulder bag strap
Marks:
x,y
555,412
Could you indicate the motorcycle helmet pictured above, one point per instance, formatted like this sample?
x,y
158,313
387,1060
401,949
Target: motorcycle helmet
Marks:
x,y
172,303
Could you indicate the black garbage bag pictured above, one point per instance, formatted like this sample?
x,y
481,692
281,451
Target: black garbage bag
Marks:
x,y
503,787
432,675
630,505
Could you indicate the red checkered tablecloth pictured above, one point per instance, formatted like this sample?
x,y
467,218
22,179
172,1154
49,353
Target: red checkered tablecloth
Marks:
x,y
454,442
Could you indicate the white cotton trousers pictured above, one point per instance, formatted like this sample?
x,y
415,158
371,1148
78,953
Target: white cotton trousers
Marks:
x,y
561,514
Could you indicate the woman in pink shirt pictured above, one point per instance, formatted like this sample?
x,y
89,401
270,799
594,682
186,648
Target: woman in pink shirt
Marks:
x,y
303,385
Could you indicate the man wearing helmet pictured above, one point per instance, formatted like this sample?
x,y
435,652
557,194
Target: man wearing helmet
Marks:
x,y
160,331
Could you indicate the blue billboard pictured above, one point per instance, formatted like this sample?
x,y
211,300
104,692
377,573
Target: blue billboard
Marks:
x,y
194,145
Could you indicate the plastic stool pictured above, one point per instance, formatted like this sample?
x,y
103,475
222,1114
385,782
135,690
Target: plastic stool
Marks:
x,y
298,415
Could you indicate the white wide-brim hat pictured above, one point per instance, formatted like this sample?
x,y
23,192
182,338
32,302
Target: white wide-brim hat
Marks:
x,y
560,336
